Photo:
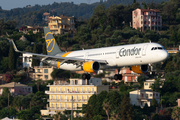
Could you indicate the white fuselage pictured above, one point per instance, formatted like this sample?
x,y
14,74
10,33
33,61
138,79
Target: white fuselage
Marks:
x,y
119,56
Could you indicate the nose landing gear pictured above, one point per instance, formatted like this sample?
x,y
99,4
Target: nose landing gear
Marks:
x,y
86,76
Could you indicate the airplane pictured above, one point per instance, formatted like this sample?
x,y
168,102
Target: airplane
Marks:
x,y
136,56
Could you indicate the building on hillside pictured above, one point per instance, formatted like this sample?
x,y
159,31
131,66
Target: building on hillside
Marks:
x,y
16,88
147,19
46,15
42,72
26,29
141,97
128,75
61,24
79,91
27,60
149,83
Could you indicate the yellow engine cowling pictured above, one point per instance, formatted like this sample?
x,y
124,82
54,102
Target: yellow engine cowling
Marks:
x,y
139,68
91,66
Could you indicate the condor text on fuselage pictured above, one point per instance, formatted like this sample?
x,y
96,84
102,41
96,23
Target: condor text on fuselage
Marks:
x,y
129,52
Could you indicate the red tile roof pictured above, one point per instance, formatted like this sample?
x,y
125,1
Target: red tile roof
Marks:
x,y
150,10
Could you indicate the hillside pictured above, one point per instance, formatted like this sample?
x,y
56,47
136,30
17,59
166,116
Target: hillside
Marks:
x,y
32,15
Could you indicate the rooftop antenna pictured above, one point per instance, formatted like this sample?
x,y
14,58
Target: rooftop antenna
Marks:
x,y
89,1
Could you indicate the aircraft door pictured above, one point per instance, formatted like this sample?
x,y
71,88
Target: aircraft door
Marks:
x,y
144,50
117,53
86,55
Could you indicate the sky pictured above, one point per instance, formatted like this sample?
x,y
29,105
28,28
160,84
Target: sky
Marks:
x,y
10,4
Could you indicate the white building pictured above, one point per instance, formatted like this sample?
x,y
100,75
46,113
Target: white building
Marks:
x,y
27,60
141,97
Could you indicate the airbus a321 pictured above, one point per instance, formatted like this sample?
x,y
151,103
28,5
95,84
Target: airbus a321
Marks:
x,y
135,56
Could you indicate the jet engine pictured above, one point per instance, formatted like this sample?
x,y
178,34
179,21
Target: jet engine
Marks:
x,y
91,66
140,68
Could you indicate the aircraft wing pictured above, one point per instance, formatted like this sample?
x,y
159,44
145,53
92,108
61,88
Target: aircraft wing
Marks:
x,y
58,58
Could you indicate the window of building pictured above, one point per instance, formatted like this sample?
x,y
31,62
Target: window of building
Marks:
x,y
38,70
38,76
45,76
150,94
146,83
45,70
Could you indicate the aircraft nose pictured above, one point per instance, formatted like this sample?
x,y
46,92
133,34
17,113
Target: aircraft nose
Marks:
x,y
164,55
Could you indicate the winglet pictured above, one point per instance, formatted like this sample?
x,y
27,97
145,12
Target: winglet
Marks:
x,y
15,48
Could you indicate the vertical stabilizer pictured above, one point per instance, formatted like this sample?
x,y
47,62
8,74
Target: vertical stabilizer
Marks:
x,y
51,45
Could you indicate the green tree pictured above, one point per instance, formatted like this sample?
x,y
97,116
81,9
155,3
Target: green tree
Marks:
x,y
12,58
155,117
35,62
141,80
176,113
156,85
154,103
4,65
98,117
25,114
106,107
126,112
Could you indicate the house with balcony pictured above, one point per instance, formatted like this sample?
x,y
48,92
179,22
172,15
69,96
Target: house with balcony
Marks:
x,y
141,97
26,29
16,88
128,75
61,24
147,19
42,72
72,96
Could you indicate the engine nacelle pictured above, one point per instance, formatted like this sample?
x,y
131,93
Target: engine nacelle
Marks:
x,y
91,66
140,68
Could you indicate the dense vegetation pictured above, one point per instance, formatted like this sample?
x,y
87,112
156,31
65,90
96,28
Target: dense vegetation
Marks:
x,y
32,15
108,26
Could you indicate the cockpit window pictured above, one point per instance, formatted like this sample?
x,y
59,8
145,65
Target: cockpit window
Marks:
x,y
160,48
157,48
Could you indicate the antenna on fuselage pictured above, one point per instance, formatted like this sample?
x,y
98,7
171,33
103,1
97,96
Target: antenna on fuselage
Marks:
x,y
150,41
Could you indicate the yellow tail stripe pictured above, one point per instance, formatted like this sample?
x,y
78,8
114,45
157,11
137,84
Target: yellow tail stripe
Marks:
x,y
65,54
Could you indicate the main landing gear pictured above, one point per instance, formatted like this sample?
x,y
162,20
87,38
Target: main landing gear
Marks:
x,y
86,76
118,76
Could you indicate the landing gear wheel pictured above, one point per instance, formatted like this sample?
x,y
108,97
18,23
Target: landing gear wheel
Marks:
x,y
118,76
86,76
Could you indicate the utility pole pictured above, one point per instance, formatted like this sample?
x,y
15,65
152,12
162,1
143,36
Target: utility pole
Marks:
x,y
72,108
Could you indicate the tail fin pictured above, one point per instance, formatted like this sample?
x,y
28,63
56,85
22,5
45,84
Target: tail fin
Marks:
x,y
51,45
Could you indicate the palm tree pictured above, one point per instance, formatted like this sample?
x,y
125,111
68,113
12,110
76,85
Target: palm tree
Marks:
x,y
106,107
